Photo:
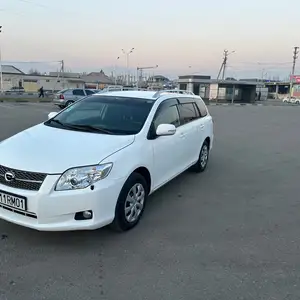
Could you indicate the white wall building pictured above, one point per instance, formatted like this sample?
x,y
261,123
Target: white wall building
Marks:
x,y
13,77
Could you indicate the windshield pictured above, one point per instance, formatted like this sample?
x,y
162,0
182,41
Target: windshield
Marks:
x,y
105,115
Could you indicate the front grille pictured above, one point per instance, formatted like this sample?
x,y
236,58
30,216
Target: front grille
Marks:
x,y
22,179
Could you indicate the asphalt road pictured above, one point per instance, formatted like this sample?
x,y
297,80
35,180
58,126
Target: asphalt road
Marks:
x,y
229,233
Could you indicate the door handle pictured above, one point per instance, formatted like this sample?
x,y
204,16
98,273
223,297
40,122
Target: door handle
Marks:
x,y
182,135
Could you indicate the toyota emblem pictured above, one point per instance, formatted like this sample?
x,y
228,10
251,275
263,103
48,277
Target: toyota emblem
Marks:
x,y
9,176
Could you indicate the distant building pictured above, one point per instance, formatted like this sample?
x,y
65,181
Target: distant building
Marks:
x,y
65,74
54,81
157,81
219,90
96,80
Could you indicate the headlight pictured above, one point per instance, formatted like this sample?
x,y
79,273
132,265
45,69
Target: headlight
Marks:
x,y
82,177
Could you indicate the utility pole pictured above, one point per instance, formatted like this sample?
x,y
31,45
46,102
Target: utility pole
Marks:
x,y
115,75
295,56
127,62
140,76
224,64
63,73
1,75
223,67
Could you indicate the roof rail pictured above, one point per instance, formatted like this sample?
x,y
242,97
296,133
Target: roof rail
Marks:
x,y
158,93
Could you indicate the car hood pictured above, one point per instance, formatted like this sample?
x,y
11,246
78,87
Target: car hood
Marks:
x,y
52,150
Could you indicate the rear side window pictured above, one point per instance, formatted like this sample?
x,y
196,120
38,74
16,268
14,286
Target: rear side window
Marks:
x,y
63,91
202,107
89,92
78,93
188,113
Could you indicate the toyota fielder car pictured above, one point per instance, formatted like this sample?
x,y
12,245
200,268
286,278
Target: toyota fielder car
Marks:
x,y
95,162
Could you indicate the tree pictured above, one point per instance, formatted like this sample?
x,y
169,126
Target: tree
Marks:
x,y
34,72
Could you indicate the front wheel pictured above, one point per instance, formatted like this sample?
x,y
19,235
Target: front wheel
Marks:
x,y
202,161
131,203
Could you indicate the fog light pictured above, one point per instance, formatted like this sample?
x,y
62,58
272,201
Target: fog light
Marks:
x,y
87,214
84,215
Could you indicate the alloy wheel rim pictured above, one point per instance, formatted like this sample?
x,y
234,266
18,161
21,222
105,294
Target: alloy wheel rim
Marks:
x,y
134,202
204,156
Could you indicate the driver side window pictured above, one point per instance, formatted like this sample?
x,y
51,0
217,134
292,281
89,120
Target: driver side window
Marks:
x,y
167,115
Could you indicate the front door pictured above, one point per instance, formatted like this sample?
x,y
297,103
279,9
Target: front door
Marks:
x,y
193,130
166,149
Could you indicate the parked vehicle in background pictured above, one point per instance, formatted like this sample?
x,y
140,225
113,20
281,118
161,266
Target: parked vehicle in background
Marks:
x,y
121,147
118,88
68,96
111,88
15,90
293,100
115,88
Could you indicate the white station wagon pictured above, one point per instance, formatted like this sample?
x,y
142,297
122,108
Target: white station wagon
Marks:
x,y
95,162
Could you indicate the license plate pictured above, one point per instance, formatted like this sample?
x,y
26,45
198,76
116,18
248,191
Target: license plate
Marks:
x,y
13,201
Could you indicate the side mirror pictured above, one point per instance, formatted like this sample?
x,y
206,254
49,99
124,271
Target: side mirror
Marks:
x,y
52,115
165,129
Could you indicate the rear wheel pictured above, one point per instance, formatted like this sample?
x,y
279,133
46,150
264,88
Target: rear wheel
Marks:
x,y
202,161
69,103
131,203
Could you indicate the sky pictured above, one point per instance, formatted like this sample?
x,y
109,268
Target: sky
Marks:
x,y
181,37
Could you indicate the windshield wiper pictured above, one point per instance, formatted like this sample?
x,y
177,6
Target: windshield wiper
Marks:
x,y
89,128
58,122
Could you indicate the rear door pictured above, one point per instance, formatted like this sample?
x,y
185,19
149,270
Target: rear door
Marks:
x,y
192,130
205,121
78,94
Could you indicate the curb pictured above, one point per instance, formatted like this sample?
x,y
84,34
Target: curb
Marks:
x,y
236,104
250,104
25,101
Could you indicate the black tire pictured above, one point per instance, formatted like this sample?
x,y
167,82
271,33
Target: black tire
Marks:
x,y
69,103
200,166
120,222
61,106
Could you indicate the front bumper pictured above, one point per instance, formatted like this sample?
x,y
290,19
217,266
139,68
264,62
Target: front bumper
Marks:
x,y
55,211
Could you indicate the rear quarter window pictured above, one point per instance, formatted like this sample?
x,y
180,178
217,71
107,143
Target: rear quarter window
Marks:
x,y
187,112
202,107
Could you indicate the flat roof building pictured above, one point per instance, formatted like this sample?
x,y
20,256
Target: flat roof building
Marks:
x,y
219,90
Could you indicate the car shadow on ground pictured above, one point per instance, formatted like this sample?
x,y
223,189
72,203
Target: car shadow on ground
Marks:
x,y
76,240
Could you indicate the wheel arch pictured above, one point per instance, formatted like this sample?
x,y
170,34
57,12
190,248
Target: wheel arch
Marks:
x,y
143,171
208,141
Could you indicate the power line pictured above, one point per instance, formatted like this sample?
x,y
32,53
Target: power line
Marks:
x,y
279,68
265,63
31,62
12,12
33,3
67,12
